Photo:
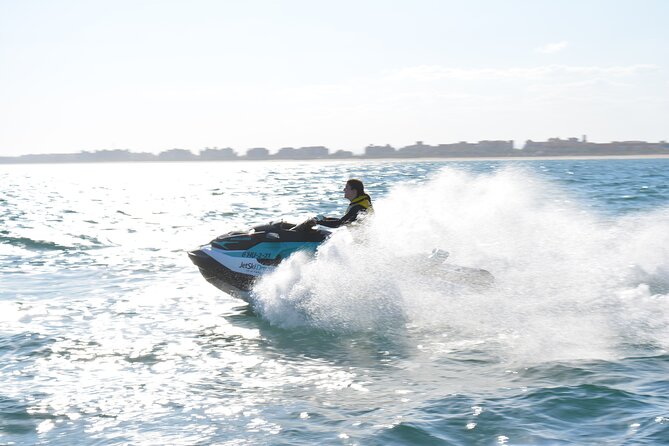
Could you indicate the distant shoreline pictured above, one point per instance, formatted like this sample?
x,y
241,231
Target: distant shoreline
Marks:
x,y
549,158
554,148
358,159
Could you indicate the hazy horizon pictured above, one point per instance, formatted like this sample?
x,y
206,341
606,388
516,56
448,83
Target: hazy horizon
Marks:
x,y
518,145
150,76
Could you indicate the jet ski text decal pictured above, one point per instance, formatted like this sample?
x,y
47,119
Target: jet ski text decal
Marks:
x,y
257,255
250,265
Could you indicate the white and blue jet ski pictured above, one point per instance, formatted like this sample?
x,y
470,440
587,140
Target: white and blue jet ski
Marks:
x,y
234,261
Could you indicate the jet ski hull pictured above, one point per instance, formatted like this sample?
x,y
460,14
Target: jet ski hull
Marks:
x,y
223,278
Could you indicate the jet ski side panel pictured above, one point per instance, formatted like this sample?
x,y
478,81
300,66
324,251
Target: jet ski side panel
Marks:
x,y
258,260
234,261
235,271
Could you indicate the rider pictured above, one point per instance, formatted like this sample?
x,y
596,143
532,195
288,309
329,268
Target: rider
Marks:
x,y
354,191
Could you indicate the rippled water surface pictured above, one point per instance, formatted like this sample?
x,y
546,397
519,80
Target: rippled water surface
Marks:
x,y
109,335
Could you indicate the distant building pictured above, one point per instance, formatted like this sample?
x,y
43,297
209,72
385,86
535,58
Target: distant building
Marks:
x,y
177,155
316,152
556,146
387,151
458,149
313,152
635,148
481,148
286,153
418,150
498,146
142,156
572,146
216,154
493,148
257,153
342,154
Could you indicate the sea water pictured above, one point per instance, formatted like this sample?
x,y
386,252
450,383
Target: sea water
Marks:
x,y
109,335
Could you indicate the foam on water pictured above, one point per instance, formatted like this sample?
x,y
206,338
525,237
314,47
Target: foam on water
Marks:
x,y
570,283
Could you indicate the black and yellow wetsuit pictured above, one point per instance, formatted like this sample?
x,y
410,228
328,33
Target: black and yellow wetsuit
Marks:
x,y
362,203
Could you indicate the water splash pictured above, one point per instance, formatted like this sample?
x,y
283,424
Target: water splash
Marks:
x,y
570,283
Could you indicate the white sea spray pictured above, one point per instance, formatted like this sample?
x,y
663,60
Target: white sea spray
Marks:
x,y
569,281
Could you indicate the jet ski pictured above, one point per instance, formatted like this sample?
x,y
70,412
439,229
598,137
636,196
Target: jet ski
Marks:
x,y
234,261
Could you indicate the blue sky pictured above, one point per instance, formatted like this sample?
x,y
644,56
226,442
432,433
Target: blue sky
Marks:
x,y
153,75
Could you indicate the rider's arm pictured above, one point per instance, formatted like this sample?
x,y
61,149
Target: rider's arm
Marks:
x,y
350,216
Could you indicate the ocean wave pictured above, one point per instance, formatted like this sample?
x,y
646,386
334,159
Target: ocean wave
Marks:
x,y
46,245
37,245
